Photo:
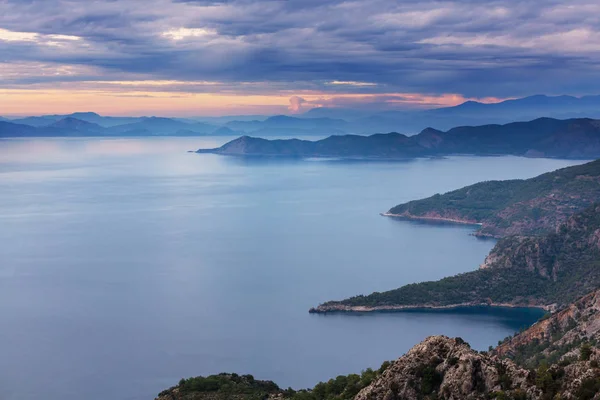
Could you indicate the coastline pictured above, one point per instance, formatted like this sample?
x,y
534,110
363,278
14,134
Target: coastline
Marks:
x,y
478,233
431,219
340,308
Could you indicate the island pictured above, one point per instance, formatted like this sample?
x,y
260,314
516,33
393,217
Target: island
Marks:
x,y
544,137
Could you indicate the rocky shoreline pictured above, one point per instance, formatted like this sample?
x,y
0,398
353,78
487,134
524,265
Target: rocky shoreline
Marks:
x,y
341,308
480,233
430,219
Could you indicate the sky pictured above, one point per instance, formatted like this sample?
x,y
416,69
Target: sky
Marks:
x,y
227,57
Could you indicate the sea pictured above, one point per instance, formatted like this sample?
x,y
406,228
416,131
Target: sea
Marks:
x,y
127,264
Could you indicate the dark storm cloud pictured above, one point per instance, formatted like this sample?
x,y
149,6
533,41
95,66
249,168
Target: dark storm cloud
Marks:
x,y
496,48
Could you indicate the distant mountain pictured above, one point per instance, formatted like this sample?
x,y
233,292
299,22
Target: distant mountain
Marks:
x,y
106,122
282,125
348,114
471,113
91,117
71,123
326,121
544,137
157,126
152,126
36,121
10,129
228,118
513,207
73,127
225,131
68,127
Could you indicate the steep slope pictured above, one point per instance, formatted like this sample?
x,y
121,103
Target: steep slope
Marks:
x,y
443,368
557,337
514,207
575,138
543,271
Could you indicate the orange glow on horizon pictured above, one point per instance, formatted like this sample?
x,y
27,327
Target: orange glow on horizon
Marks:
x,y
18,102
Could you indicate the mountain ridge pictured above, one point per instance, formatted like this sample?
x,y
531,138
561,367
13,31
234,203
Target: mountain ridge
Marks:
x,y
542,137
327,121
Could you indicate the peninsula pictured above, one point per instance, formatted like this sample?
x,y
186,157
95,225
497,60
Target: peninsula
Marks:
x,y
514,207
547,255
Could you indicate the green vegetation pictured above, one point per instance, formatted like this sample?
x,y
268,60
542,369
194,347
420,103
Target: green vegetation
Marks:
x,y
585,352
224,386
542,270
588,389
245,387
526,207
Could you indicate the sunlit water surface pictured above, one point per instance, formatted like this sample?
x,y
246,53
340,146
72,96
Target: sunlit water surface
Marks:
x,y
128,264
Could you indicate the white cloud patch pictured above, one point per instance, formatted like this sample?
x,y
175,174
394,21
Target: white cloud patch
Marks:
x,y
185,33
48,40
572,41
352,83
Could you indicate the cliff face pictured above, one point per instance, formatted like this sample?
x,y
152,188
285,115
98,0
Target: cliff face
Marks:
x,y
567,255
559,335
444,368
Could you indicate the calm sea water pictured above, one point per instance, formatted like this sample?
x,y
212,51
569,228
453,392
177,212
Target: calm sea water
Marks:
x,y
128,264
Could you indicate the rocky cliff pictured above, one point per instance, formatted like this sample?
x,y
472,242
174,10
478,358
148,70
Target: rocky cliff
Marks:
x,y
444,368
557,336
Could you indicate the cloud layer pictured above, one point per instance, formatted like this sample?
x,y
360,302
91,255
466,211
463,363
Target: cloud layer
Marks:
x,y
302,48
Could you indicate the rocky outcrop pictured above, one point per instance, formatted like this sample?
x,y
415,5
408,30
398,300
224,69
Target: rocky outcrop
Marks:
x,y
445,368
